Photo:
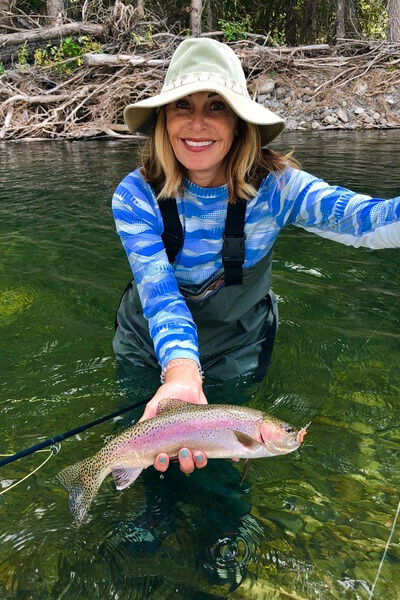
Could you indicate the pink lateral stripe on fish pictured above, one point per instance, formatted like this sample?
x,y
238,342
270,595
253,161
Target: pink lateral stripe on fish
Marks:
x,y
220,431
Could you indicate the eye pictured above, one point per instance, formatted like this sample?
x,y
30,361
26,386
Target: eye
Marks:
x,y
288,428
218,105
182,104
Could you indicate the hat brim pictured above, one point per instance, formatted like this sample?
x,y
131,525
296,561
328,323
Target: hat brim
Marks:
x,y
141,115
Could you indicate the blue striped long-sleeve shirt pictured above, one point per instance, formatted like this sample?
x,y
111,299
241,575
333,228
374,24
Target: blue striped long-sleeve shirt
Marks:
x,y
294,197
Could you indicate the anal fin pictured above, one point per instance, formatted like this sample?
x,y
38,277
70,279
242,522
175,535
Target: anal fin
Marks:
x,y
124,476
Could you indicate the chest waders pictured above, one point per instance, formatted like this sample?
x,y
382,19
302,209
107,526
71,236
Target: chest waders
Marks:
x,y
235,312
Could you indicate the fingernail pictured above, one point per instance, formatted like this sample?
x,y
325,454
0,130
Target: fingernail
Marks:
x,y
162,459
184,453
198,457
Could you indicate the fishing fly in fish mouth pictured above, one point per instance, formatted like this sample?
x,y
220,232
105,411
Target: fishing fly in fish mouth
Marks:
x,y
222,431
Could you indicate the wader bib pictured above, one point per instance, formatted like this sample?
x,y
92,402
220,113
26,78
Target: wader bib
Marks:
x,y
235,313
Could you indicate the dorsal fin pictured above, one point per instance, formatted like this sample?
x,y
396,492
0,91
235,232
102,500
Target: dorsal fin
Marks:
x,y
246,440
167,404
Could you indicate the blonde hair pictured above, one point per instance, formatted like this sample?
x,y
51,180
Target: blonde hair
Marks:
x,y
246,164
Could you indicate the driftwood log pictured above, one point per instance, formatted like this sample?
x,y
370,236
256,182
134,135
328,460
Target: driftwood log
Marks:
x,y
50,33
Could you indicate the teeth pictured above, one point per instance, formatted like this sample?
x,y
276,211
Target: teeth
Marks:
x,y
198,144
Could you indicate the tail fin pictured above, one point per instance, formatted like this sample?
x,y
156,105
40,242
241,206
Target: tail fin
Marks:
x,y
82,483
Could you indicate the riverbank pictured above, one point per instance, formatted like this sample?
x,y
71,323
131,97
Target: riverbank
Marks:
x,y
354,85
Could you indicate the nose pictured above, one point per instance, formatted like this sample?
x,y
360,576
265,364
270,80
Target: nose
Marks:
x,y
197,120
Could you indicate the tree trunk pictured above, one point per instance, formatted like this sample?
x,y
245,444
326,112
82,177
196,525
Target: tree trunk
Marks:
x,y
140,9
4,19
309,25
210,21
290,23
55,12
195,17
340,31
393,27
353,29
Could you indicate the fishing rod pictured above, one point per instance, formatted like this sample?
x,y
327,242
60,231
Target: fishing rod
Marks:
x,y
63,436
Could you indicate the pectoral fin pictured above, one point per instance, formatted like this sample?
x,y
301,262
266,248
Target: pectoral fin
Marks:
x,y
124,476
246,440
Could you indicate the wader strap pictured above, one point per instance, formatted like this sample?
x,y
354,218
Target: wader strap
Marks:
x,y
233,246
172,235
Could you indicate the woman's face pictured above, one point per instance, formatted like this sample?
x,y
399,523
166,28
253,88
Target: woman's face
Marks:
x,y
201,128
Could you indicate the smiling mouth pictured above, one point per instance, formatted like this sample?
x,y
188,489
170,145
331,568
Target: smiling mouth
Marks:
x,y
198,144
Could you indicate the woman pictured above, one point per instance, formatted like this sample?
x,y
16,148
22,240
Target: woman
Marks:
x,y
198,222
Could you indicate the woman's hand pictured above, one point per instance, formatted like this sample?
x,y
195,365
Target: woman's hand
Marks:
x,y
183,381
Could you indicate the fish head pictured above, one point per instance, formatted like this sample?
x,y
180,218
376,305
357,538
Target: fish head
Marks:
x,y
280,437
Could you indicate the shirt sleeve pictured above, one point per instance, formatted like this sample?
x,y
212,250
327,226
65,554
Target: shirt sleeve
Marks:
x,y
337,213
139,225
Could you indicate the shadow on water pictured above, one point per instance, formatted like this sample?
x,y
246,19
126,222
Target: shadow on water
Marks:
x,y
310,525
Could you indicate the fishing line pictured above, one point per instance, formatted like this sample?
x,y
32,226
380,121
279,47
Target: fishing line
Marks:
x,y
53,451
385,551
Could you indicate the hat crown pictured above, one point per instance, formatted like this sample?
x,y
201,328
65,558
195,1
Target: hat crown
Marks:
x,y
198,59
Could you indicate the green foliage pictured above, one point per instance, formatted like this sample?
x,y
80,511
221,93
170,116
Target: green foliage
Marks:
x,y
373,18
22,56
67,56
235,30
2,68
146,38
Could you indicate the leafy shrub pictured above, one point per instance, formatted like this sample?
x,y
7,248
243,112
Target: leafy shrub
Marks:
x,y
22,56
235,30
67,56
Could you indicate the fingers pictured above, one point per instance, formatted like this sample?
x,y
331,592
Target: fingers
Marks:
x,y
200,459
187,461
161,462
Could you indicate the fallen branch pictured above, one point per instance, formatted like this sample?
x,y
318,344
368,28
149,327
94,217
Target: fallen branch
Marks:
x,y
49,33
7,122
102,60
36,99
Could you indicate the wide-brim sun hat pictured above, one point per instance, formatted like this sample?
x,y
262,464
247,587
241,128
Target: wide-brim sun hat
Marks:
x,y
199,65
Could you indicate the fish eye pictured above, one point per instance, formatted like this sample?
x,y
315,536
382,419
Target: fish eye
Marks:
x,y
288,428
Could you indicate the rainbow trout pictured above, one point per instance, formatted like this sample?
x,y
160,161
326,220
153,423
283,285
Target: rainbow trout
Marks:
x,y
221,431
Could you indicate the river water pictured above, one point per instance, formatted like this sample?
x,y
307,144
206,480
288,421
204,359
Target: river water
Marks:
x,y
310,525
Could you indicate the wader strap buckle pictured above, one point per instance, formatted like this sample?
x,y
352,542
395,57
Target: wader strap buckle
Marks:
x,y
233,247
233,258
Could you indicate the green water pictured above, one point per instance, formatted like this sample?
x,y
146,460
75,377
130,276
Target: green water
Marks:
x,y
310,525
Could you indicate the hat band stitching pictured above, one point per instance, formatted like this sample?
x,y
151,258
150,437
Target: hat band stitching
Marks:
x,y
204,77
